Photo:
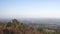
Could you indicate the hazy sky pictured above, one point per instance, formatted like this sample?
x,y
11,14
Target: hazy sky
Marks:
x,y
30,8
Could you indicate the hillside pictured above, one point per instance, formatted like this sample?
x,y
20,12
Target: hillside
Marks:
x,y
16,27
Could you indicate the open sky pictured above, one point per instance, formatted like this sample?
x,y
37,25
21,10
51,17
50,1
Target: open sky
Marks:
x,y
30,8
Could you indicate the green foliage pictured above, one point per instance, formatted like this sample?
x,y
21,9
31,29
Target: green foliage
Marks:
x,y
40,29
15,22
31,28
1,23
22,26
8,24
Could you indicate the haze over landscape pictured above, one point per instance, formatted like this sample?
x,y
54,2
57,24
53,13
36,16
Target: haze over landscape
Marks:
x,y
29,16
